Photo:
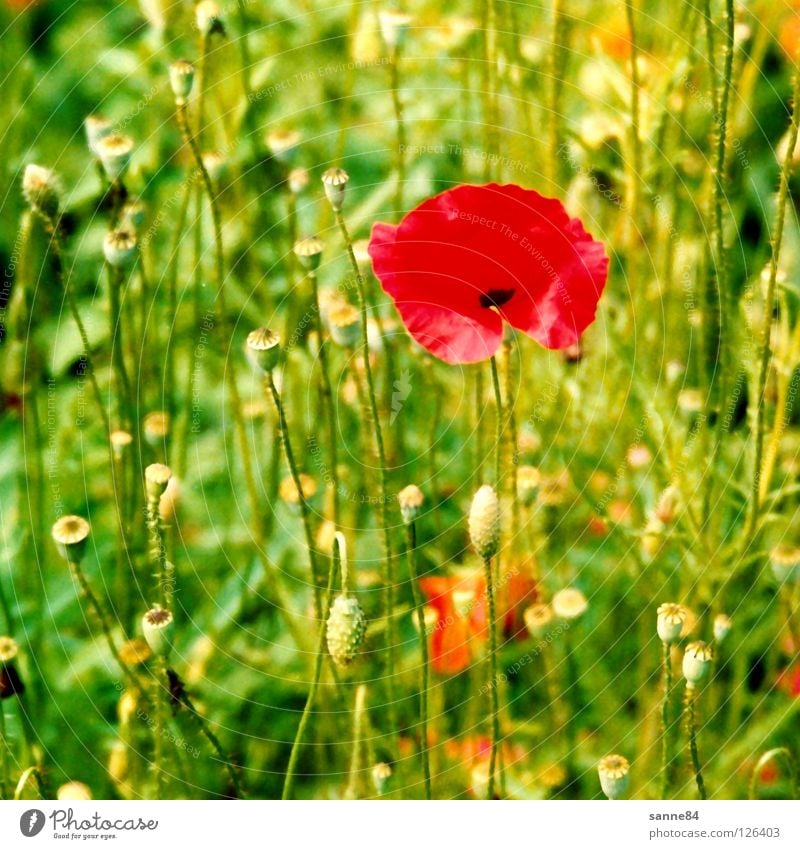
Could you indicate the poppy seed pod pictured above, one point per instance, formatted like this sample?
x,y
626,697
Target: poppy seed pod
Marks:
x,y
344,324
346,628
207,16
70,534
335,182
381,773
181,79
394,27
613,772
696,662
263,349
309,252
114,152
96,128
41,189
157,628
410,500
156,479
484,522
670,619
119,247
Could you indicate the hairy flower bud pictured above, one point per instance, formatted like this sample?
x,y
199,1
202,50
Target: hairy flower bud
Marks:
x,y
41,190
346,628
484,522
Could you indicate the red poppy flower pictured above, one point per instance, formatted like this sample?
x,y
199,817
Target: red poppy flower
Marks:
x,y
452,634
464,261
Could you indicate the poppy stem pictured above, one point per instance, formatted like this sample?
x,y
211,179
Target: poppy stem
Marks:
x,y
498,430
494,681
305,512
397,103
759,487
423,644
317,675
691,730
666,758
381,452
635,176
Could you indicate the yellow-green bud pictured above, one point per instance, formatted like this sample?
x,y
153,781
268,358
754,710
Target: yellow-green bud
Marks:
x,y
41,189
410,500
156,479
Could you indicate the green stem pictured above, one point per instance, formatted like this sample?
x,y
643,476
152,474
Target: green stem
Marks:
x,y
636,141
304,508
554,74
400,156
494,681
424,671
317,675
666,759
381,452
769,300
5,773
691,730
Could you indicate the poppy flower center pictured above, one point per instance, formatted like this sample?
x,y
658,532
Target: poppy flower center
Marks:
x,y
496,298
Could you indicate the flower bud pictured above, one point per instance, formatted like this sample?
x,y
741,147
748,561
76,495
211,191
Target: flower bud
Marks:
x,y
309,252
157,628
722,627
96,128
346,628
670,619
114,152
207,16
41,190
70,534
381,773
344,324
538,618
569,603
484,522
410,499
394,27
120,440
156,479
119,247
335,182
785,563
613,771
263,348
181,79
696,662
